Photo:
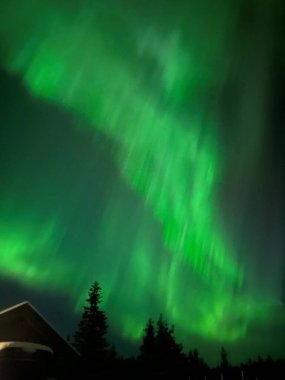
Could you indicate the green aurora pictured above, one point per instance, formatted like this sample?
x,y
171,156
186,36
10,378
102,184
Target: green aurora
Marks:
x,y
151,83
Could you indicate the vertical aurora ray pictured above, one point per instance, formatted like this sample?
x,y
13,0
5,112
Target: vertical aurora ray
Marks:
x,y
149,92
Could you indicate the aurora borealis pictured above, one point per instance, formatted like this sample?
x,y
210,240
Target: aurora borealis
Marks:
x,y
150,161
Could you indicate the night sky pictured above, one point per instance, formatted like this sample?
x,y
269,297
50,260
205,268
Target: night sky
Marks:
x,y
141,145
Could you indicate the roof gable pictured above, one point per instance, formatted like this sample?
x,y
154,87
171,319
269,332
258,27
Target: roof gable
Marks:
x,y
24,323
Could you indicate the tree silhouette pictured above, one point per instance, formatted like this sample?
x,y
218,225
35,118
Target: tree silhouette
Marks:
x,y
90,337
165,338
169,355
224,359
148,346
147,356
197,367
160,355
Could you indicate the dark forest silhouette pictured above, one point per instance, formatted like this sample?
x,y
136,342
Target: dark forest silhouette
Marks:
x,y
160,356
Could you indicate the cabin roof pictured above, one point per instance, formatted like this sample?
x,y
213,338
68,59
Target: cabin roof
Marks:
x,y
24,323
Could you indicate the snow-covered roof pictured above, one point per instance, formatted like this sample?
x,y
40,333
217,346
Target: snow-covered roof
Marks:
x,y
27,347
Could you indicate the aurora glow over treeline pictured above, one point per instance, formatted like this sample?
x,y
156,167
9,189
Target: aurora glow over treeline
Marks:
x,y
165,179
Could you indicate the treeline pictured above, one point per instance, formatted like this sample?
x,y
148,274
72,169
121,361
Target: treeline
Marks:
x,y
160,356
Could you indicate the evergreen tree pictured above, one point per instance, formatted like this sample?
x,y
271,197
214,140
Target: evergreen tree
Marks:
x,y
168,353
90,337
160,355
224,359
166,344
148,346
197,366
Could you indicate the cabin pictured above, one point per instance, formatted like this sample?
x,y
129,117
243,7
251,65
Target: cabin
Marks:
x,y
31,348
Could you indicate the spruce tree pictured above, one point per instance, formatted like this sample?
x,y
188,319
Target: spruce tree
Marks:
x,y
196,365
167,347
224,359
148,346
160,354
90,337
